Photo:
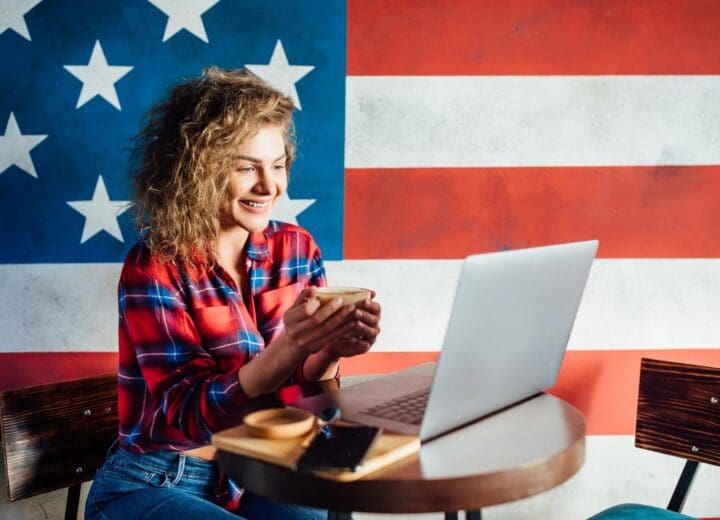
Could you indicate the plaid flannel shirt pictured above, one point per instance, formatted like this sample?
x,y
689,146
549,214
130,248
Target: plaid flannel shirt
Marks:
x,y
184,333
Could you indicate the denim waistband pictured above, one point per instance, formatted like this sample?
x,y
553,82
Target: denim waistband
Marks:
x,y
164,460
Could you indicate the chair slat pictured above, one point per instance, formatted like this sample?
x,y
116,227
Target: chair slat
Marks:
x,y
56,435
679,410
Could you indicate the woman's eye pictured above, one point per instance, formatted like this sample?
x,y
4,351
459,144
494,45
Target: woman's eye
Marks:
x,y
279,167
246,169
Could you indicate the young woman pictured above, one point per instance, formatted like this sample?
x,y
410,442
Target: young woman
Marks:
x,y
216,301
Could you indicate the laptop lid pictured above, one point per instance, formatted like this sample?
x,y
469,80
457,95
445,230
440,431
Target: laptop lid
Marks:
x,y
509,327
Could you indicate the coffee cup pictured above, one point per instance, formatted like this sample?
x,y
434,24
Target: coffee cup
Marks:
x,y
348,295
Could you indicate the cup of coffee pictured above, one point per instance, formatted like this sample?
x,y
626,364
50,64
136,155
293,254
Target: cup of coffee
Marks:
x,y
353,295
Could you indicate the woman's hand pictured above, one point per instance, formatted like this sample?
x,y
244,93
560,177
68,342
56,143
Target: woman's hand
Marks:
x,y
310,325
362,332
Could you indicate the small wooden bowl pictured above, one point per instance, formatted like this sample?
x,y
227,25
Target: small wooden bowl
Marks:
x,y
279,423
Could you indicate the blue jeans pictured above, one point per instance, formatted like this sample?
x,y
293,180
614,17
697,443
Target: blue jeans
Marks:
x,y
173,486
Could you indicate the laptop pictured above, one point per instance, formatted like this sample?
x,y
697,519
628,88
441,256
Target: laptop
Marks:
x,y
509,327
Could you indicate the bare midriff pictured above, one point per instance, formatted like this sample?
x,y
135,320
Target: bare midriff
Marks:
x,y
208,453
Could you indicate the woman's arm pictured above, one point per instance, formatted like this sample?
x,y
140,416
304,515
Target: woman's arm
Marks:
x,y
321,365
309,326
161,343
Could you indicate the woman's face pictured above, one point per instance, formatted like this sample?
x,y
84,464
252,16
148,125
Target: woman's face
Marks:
x,y
257,180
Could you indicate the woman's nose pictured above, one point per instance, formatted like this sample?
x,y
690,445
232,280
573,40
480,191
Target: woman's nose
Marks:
x,y
265,182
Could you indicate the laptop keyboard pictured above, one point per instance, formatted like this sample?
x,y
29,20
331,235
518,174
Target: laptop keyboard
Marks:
x,y
408,408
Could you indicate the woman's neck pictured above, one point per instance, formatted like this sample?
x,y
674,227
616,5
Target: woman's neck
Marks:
x,y
230,245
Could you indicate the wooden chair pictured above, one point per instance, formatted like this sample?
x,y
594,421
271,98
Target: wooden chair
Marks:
x,y
678,414
57,435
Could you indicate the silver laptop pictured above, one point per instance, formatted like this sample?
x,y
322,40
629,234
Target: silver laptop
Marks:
x,y
507,335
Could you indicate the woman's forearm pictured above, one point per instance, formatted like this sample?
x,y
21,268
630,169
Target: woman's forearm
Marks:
x,y
271,368
320,365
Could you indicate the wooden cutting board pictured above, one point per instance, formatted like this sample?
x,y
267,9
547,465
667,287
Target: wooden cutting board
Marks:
x,y
389,448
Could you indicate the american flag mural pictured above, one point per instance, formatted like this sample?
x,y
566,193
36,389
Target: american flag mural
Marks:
x,y
427,131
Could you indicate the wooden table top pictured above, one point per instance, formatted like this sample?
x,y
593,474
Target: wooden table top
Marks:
x,y
526,449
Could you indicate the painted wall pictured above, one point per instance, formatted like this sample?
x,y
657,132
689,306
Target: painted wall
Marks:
x,y
428,131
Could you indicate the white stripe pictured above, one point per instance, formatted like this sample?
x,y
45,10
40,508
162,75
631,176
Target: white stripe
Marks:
x,y
236,343
58,307
165,326
453,121
155,415
226,345
131,378
142,413
276,274
233,385
164,354
148,297
614,472
203,290
629,303
281,326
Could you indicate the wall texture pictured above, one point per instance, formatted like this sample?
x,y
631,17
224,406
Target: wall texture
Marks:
x,y
427,131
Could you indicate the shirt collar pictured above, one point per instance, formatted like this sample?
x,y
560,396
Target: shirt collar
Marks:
x,y
257,248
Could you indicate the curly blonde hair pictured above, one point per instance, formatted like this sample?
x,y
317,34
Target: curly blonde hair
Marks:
x,y
186,152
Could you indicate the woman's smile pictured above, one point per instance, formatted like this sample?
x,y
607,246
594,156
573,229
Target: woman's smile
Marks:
x,y
257,207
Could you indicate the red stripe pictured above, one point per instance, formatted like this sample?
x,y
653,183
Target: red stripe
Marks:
x,y
21,369
638,212
602,384
467,37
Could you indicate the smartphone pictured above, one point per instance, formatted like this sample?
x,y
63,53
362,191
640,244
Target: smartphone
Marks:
x,y
338,448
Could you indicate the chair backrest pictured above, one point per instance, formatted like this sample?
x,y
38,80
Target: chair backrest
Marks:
x,y
56,436
679,410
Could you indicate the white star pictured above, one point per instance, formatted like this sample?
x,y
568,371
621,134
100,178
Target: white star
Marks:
x,y
15,148
12,16
98,77
280,74
100,213
184,14
287,209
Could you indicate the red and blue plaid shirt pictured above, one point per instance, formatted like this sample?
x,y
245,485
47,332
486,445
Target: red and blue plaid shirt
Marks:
x,y
185,333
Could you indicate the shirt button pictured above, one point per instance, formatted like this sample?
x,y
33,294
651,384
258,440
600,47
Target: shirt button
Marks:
x,y
248,263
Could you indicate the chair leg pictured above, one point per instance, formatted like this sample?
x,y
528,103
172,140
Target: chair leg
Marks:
x,y
73,502
451,515
683,486
474,514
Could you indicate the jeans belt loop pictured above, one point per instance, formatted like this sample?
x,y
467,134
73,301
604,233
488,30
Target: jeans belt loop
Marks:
x,y
181,469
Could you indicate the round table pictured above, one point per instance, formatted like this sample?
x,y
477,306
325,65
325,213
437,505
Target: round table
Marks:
x,y
523,450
